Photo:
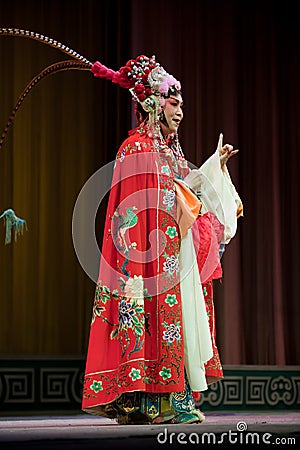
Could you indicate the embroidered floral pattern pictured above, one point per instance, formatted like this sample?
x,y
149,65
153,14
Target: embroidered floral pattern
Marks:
x,y
130,328
97,310
165,170
102,295
126,314
130,375
134,288
135,374
96,386
169,198
171,232
183,401
172,332
171,265
165,373
171,300
131,316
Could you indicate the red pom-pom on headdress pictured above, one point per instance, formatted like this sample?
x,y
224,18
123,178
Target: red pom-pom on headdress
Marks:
x,y
100,70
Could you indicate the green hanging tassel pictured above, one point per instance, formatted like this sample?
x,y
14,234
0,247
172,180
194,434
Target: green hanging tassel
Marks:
x,y
12,221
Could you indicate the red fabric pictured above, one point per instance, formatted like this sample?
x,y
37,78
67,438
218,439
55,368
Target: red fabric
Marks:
x,y
145,352
213,368
196,396
207,235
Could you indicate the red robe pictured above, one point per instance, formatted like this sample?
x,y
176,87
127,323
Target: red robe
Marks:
x,y
136,336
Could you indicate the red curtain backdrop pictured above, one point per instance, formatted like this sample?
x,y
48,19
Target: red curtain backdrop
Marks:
x,y
239,66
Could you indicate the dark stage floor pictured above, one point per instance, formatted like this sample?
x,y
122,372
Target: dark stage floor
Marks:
x,y
85,432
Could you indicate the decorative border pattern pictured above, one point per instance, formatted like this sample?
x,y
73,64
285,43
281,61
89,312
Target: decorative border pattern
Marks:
x,y
28,385
60,385
17,385
40,384
255,388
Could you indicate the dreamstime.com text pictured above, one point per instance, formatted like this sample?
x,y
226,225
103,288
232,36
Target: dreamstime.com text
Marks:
x,y
240,436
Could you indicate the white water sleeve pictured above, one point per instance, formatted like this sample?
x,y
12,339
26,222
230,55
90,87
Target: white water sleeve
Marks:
x,y
197,338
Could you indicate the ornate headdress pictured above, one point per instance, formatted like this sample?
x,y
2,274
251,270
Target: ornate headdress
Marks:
x,y
146,79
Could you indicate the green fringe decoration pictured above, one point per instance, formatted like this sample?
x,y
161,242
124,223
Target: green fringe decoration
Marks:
x,y
11,221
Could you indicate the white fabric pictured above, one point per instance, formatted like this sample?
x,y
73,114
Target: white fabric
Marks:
x,y
194,180
217,193
197,339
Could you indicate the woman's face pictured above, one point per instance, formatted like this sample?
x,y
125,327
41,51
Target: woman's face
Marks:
x,y
172,114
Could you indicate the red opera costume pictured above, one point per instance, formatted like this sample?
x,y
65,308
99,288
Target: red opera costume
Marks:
x,y
136,337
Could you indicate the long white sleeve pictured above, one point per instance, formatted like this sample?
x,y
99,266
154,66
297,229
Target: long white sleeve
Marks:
x,y
217,194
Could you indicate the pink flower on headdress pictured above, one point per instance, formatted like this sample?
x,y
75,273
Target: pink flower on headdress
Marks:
x,y
168,81
163,87
173,82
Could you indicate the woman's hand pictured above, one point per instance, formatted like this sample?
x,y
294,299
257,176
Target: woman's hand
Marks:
x,y
225,151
